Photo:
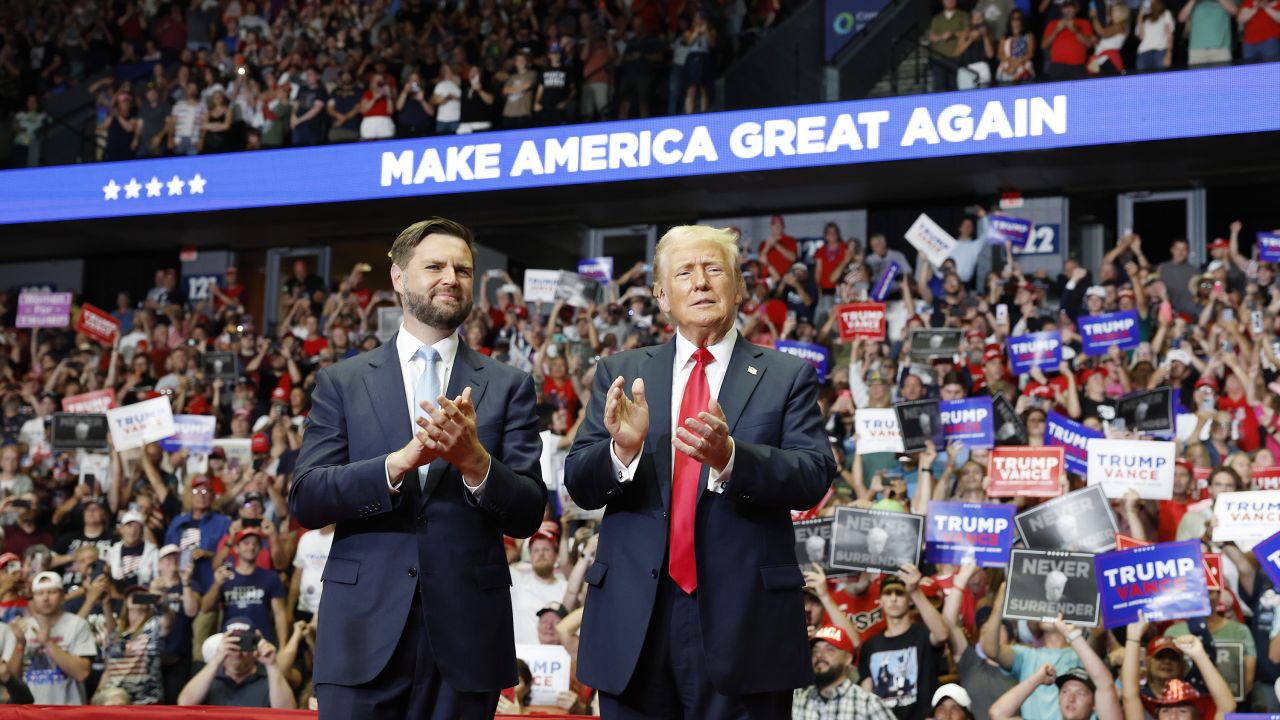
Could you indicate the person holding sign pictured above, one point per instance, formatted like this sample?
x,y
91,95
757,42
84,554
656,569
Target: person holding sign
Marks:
x,y
424,453
1165,674
700,468
1083,692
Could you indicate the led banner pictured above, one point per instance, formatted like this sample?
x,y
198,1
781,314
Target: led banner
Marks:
x,y
1006,119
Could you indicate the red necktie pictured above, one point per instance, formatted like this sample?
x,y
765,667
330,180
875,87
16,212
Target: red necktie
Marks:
x,y
683,564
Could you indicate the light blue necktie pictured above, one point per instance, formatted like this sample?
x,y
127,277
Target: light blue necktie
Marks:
x,y
426,387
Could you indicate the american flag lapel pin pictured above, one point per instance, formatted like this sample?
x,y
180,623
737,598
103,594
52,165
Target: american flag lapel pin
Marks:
x,y
751,369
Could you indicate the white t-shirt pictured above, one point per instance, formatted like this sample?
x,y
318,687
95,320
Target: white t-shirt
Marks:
x,y
1155,32
529,594
552,459
49,685
313,553
451,110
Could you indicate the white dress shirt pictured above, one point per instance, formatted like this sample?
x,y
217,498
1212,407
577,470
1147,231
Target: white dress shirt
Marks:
x,y
680,371
411,368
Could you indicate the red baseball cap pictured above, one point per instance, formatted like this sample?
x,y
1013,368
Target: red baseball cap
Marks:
x,y
1160,644
246,532
992,353
550,530
834,636
260,443
1207,381
1219,244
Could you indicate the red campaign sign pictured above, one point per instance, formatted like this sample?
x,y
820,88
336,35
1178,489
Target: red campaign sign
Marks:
x,y
1212,561
1020,471
97,324
1267,478
861,320
98,401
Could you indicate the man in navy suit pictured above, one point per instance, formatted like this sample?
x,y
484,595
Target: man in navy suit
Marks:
x,y
695,605
415,618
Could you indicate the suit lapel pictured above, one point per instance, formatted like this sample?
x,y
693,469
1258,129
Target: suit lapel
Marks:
x,y
739,382
656,372
385,381
467,372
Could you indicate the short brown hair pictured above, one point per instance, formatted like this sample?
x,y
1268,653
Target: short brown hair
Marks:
x,y
402,249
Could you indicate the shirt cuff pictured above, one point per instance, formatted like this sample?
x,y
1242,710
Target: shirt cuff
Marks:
x,y
717,480
394,487
624,473
478,490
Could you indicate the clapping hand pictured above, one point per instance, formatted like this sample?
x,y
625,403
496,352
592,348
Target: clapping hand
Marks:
x,y
626,419
706,437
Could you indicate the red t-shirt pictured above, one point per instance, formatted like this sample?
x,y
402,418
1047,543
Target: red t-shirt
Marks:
x,y
1171,512
1261,27
863,610
1067,48
829,258
561,393
380,107
1242,412
313,345
776,259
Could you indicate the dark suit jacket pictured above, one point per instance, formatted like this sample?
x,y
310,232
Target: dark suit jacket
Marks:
x,y
749,584
443,540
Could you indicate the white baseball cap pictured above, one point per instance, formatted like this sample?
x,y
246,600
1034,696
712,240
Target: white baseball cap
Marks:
x,y
955,692
133,516
45,581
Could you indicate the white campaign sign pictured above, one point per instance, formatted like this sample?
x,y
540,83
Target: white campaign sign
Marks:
x,y
1146,466
141,423
1246,518
929,238
878,430
540,285
550,665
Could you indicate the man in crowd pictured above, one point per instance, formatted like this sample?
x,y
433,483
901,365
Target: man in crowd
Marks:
x,y
57,647
241,673
198,531
834,694
902,663
536,583
1083,690
249,591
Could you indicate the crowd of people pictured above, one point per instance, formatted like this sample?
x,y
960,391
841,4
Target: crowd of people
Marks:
x,y
994,41
206,76
165,575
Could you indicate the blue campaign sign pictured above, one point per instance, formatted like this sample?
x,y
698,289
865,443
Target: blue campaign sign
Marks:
x,y
599,269
880,290
958,530
1043,241
969,422
1003,229
198,286
1100,332
1268,247
194,432
992,120
1073,437
1043,349
816,355
1252,716
1268,554
1164,581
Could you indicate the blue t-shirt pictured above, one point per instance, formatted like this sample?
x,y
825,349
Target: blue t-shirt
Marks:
x,y
1027,661
250,596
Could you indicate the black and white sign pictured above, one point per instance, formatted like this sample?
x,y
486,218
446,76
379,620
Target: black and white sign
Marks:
x,y
1009,427
930,343
221,366
813,544
1149,411
1080,521
920,420
881,540
79,430
1043,583
1230,662
577,290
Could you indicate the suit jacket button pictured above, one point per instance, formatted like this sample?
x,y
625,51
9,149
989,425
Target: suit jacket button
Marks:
x,y
665,515
413,572
653,572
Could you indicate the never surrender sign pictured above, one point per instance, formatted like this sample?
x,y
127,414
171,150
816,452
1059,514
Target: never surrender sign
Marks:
x,y
1100,333
877,430
1149,411
861,320
880,540
1073,437
1079,521
969,422
815,355
1145,466
957,531
1025,471
1165,581
1042,350
1044,583
920,421
813,544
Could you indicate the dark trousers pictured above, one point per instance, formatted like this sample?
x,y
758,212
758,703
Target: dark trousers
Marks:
x,y
410,686
944,74
175,677
671,682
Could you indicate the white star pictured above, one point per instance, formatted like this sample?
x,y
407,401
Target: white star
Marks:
x,y
153,187
132,189
196,185
111,191
175,185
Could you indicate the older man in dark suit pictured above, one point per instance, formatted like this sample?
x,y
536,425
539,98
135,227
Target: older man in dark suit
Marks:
x,y
695,605
424,453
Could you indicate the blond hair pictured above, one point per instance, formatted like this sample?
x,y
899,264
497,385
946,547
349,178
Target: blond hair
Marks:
x,y
725,238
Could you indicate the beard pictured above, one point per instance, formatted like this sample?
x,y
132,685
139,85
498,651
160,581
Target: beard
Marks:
x,y
828,675
428,313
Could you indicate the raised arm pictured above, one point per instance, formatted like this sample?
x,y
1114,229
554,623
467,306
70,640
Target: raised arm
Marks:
x,y
990,637
1006,707
1213,680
